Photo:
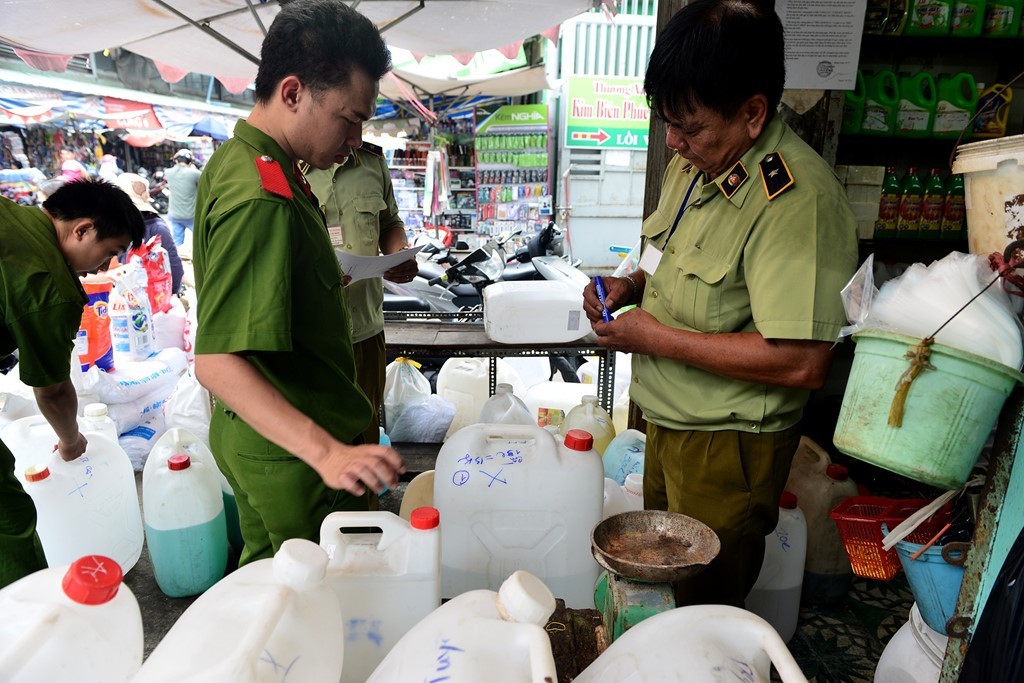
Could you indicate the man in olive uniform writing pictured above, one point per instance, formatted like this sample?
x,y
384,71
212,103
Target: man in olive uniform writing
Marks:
x,y
274,342
359,201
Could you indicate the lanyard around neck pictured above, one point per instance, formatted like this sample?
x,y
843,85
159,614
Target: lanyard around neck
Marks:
x,y
682,209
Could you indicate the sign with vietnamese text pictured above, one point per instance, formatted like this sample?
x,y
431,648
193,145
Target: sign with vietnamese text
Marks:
x,y
607,112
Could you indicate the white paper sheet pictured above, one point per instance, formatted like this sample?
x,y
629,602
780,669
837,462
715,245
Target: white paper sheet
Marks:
x,y
822,42
362,267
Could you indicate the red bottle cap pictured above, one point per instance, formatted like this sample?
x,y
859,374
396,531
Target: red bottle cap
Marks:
x,y
92,580
178,462
37,473
787,500
425,518
578,440
838,472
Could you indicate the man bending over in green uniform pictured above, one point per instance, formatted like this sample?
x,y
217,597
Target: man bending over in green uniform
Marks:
x,y
274,342
42,252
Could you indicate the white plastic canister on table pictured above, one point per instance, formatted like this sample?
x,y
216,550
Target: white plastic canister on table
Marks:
x,y
514,497
385,582
266,620
479,636
89,506
70,623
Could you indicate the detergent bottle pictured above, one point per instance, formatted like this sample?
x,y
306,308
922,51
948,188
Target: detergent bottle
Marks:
x,y
853,107
968,18
917,105
928,18
1002,18
957,102
881,103
480,635
993,111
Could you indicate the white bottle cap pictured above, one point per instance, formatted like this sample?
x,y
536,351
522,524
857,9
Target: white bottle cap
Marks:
x,y
300,563
634,484
96,410
525,599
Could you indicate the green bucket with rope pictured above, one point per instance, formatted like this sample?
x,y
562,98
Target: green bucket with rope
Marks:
x,y
920,409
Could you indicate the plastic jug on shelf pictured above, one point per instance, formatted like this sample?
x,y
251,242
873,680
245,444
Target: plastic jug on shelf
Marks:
x,y
480,635
698,644
385,582
505,408
775,596
265,620
853,106
464,382
918,99
956,104
625,455
186,535
881,103
89,506
74,622
590,417
513,497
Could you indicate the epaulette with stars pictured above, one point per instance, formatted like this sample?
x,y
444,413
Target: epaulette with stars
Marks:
x,y
372,149
775,175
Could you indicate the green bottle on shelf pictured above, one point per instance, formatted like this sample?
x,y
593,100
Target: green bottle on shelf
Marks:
x,y
954,211
853,107
932,206
929,18
957,103
911,203
918,99
881,103
968,18
888,205
1002,18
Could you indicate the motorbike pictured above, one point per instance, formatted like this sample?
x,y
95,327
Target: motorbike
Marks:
x,y
159,195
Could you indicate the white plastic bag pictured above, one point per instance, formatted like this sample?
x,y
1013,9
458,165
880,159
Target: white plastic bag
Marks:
x,y
188,407
133,380
128,416
404,386
423,422
138,442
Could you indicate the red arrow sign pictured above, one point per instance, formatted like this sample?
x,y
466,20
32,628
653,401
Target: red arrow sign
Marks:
x,y
600,136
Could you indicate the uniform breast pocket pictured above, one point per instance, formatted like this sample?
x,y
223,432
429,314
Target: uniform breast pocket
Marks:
x,y
697,290
361,220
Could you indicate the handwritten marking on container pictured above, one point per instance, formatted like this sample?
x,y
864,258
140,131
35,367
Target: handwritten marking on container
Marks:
x,y
95,570
357,630
460,477
278,668
444,662
783,537
494,477
737,670
78,490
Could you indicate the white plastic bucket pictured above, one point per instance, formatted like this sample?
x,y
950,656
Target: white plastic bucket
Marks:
x,y
534,312
186,536
993,173
479,636
70,623
89,506
385,582
513,497
269,619
914,655
775,596
696,644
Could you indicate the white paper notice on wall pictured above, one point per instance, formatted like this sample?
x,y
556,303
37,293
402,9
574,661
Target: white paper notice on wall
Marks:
x,y
822,42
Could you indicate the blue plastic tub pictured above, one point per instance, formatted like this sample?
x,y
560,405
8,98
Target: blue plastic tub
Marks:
x,y
934,582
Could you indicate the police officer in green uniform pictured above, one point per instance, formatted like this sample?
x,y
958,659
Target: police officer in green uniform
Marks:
x,y
738,287
42,252
362,217
274,342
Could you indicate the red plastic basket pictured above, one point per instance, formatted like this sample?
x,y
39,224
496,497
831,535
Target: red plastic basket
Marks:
x,y
860,520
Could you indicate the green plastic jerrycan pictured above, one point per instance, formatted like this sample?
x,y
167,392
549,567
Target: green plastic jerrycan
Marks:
x,y
929,18
881,103
957,102
968,18
1002,18
917,101
853,107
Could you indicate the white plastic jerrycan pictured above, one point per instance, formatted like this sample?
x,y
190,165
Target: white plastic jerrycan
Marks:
x,y
696,644
479,636
914,655
89,506
505,408
775,596
514,497
592,418
625,455
186,536
618,499
385,582
14,407
95,419
269,621
70,623
465,382
177,441
31,440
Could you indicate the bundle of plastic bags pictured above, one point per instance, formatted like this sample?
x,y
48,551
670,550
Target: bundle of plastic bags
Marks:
x,y
927,300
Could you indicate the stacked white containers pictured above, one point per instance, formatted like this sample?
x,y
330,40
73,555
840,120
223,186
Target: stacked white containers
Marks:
x,y
479,636
385,582
513,497
95,418
504,407
186,535
269,621
775,596
89,506
70,623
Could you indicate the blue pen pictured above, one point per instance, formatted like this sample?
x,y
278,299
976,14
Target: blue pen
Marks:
x,y
599,286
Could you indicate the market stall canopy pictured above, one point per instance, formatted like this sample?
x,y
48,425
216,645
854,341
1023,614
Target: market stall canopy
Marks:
x,y
223,37
506,84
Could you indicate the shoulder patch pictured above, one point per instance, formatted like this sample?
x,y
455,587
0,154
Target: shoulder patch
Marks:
x,y
272,177
303,167
372,149
734,180
775,175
